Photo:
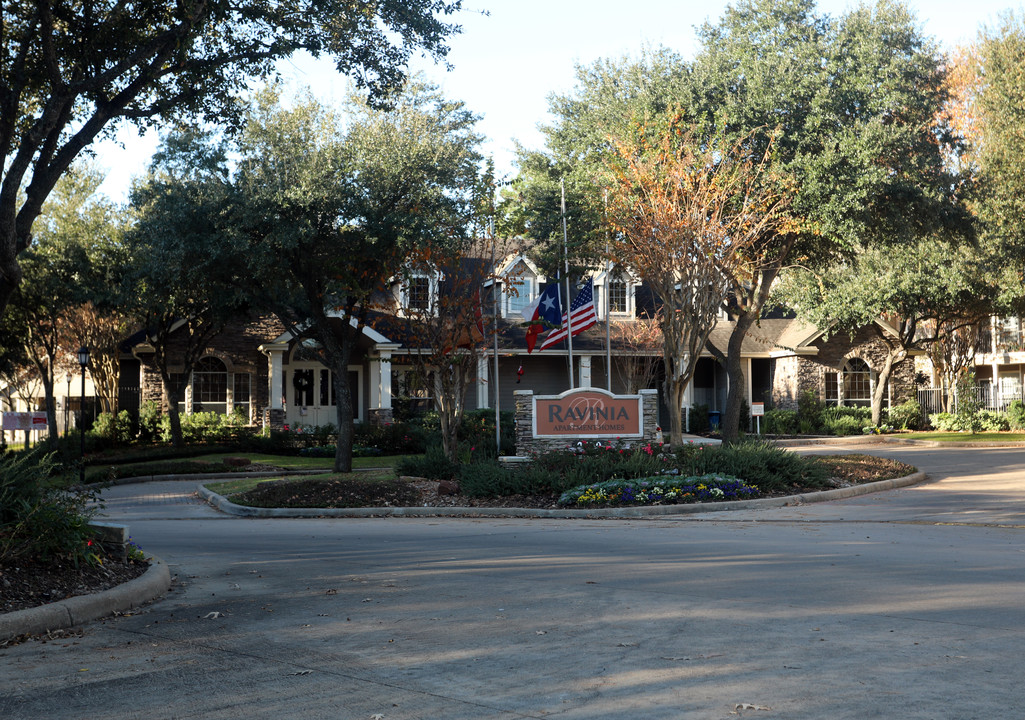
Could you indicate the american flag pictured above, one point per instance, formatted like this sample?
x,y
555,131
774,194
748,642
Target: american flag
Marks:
x,y
582,315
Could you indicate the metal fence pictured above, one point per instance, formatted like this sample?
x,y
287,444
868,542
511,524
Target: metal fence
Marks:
x,y
986,396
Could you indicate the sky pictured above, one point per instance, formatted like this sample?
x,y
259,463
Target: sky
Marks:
x,y
507,62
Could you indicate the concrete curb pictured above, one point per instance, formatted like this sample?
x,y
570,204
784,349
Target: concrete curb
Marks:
x,y
226,506
86,608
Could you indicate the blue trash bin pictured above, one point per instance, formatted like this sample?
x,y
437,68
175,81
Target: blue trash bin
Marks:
x,y
713,419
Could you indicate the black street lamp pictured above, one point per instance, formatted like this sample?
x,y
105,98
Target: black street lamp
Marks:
x,y
83,361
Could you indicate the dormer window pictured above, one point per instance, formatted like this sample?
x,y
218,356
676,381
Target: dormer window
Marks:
x,y
520,292
616,293
418,292
617,297
519,281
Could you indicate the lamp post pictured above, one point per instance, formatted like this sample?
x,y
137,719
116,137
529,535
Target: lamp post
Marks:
x,y
67,402
83,361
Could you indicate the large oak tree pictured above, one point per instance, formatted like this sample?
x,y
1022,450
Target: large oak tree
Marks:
x,y
70,70
327,209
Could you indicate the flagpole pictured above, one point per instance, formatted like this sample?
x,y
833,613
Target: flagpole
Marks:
x,y
495,308
608,303
568,309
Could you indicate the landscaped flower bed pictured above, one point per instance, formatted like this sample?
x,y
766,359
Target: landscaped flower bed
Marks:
x,y
659,491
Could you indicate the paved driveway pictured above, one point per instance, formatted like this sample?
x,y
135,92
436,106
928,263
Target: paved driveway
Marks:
x,y
905,604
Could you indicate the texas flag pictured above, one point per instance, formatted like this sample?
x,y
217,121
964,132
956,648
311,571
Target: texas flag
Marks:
x,y
543,314
582,315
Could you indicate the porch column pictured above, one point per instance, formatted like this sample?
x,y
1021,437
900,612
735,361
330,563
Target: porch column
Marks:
x,y
379,408
483,366
274,413
749,389
585,371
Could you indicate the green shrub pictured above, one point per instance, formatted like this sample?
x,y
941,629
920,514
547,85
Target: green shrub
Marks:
x,y
970,422
968,406
399,438
906,416
149,421
780,422
945,422
843,425
115,428
207,427
486,478
1016,415
809,412
992,421
40,519
844,420
434,465
767,466
698,419
477,430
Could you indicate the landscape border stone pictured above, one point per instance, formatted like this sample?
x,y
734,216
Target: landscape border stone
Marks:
x,y
81,609
226,506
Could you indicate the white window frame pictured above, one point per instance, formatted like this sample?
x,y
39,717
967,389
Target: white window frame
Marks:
x,y
434,283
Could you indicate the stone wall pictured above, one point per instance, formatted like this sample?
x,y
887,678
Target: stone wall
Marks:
x,y
237,346
527,444
793,375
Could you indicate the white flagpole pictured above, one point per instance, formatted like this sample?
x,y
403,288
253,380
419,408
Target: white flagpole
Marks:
x,y
608,305
494,295
565,258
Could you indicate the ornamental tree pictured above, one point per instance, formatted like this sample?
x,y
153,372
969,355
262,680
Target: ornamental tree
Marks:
x,y
71,71
687,212
64,270
930,294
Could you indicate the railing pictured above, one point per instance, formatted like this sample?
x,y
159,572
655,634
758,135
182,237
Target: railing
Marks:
x,y
987,396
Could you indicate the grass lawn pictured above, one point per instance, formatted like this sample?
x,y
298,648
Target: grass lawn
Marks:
x,y
228,488
183,466
305,463
968,437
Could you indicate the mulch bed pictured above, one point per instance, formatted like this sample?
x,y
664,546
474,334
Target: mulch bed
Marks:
x,y
25,584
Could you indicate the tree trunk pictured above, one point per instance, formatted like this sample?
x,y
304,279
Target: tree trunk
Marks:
x,y
674,395
343,443
45,371
51,407
173,416
735,373
879,392
752,310
10,271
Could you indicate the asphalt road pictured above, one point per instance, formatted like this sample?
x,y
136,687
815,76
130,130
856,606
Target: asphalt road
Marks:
x,y
904,604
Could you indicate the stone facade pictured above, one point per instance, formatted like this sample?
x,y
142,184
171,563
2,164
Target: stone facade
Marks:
x,y
237,347
793,375
527,444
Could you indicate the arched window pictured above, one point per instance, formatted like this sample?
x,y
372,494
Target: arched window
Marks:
x,y
851,386
210,386
857,383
